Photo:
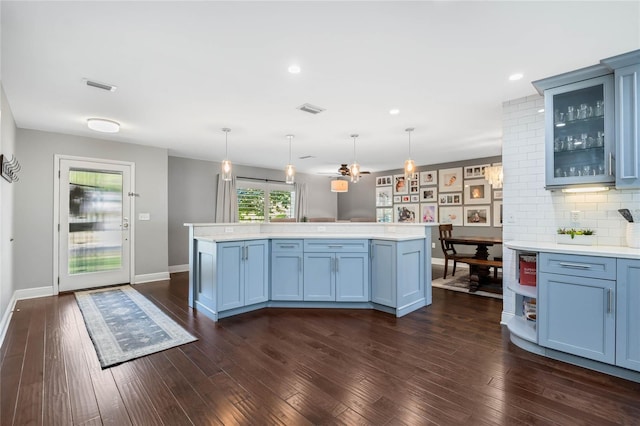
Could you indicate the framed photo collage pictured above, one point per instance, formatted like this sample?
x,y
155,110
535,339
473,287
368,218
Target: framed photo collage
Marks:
x,y
460,196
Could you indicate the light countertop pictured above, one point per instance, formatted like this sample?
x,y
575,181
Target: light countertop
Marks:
x,y
287,236
603,251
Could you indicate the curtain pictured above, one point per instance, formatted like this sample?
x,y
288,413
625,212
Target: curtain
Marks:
x,y
227,201
301,201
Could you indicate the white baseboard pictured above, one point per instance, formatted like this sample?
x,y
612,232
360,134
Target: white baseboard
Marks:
x,y
147,278
29,293
179,268
440,261
506,316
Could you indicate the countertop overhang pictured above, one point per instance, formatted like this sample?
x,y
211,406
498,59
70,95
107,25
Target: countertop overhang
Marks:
x,y
602,251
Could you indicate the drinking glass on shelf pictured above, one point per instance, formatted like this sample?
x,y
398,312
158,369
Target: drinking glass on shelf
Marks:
x,y
559,172
600,139
582,112
586,170
571,113
600,169
572,171
599,108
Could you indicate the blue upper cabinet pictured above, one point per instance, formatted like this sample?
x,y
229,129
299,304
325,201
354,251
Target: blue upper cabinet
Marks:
x,y
628,305
627,105
579,134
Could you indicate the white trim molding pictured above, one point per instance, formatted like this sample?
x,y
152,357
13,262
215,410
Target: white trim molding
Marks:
x,y
147,278
29,293
178,268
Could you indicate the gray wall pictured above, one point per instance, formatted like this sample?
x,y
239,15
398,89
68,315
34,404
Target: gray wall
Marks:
x,y
7,194
192,197
33,228
360,202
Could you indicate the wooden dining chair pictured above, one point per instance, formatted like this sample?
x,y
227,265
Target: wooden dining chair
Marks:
x,y
449,249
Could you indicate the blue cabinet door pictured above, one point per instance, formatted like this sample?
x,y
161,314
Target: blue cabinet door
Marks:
x,y
410,266
286,276
352,277
383,272
628,307
319,277
577,315
230,275
205,274
256,272
627,127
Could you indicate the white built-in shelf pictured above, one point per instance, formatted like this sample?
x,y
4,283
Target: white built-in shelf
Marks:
x,y
525,290
523,328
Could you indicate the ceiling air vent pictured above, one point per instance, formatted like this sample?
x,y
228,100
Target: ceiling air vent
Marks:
x,y
311,109
306,157
103,86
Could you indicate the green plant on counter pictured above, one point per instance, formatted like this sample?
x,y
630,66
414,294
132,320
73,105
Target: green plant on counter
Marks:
x,y
573,232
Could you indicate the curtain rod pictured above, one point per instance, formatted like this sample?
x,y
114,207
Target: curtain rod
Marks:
x,y
260,179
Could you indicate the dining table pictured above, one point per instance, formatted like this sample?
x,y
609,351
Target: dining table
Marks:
x,y
479,274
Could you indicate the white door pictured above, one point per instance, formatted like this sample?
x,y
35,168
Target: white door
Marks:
x,y
94,242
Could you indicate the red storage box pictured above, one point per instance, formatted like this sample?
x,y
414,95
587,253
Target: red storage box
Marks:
x,y
528,270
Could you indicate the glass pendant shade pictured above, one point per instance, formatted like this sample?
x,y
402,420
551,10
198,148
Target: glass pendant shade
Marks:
x,y
289,170
409,169
290,173
339,186
409,165
225,169
354,170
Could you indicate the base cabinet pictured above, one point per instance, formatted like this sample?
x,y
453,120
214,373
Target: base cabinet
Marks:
x,y
242,275
397,272
286,270
628,314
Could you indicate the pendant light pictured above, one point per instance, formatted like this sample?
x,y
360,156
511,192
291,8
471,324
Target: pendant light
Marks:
x,y
339,185
289,170
354,169
409,165
225,171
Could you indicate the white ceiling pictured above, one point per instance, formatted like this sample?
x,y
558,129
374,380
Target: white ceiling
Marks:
x,y
184,70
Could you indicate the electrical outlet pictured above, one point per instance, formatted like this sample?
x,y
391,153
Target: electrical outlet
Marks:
x,y
144,216
433,245
575,216
228,229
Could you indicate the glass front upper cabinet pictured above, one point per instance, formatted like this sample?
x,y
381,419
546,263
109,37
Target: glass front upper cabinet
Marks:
x,y
579,135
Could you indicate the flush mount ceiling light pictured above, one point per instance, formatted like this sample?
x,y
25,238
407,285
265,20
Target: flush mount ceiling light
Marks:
x,y
294,69
516,76
225,168
289,170
394,111
409,165
103,125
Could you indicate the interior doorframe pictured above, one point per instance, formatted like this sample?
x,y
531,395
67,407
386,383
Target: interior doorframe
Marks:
x,y
56,213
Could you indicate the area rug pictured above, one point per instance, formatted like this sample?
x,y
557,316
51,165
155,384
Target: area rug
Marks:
x,y
124,325
461,284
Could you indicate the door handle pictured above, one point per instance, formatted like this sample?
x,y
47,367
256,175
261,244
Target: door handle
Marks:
x,y
125,223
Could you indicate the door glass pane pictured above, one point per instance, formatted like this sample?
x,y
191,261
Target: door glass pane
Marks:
x,y
95,221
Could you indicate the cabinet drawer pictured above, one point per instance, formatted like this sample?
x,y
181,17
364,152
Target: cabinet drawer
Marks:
x,y
578,266
286,245
336,246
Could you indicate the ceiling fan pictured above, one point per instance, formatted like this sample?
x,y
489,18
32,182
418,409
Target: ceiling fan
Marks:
x,y
344,171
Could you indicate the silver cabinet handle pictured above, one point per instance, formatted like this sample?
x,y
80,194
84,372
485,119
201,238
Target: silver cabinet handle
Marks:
x,y
299,263
334,246
287,246
611,164
609,301
337,264
574,265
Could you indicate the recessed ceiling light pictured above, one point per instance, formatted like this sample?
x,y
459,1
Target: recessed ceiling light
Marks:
x,y
102,125
541,110
515,77
294,69
394,111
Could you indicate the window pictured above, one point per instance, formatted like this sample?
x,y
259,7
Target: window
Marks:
x,y
257,200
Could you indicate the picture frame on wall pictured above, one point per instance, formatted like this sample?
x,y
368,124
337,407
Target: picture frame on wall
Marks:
x,y
477,216
406,198
497,195
384,215
471,172
497,214
428,195
397,199
399,185
450,199
415,198
384,180
384,196
477,191
413,186
428,212
429,177
406,213
452,215
450,180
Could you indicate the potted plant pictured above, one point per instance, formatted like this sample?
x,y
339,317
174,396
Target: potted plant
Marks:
x,y
575,236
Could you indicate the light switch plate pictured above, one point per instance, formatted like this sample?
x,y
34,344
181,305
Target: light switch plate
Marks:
x,y
144,216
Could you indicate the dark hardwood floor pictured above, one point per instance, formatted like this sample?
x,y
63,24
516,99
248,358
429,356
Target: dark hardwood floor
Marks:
x,y
448,364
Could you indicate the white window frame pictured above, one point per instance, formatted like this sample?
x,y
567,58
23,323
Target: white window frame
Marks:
x,y
267,187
